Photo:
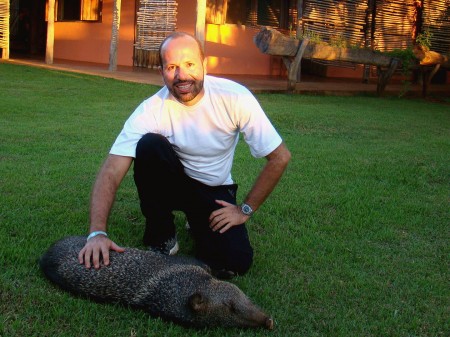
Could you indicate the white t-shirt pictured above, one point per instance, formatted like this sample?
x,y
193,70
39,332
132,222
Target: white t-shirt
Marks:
x,y
205,135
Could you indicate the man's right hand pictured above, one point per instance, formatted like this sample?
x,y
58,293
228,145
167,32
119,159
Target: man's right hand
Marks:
x,y
98,246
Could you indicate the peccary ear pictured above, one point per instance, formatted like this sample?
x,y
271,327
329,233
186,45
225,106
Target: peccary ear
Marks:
x,y
197,302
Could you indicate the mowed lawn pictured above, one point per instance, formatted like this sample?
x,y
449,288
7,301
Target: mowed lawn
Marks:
x,y
353,242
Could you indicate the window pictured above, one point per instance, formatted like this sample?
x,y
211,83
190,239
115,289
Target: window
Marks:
x,y
273,13
78,10
239,11
69,10
216,11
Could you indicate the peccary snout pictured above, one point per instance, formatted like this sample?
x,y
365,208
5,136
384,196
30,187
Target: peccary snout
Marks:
x,y
226,303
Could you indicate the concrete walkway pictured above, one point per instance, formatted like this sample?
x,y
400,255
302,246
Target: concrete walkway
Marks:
x,y
257,84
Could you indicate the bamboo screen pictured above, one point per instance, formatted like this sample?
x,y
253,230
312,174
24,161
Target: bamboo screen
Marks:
x,y
155,20
436,19
4,24
394,24
380,24
336,20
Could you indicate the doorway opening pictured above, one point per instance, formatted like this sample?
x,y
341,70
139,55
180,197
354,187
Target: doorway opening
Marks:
x,y
28,29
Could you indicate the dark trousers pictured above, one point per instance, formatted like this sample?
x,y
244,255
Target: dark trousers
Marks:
x,y
163,187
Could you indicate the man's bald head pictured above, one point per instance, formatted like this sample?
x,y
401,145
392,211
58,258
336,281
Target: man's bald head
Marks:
x,y
177,35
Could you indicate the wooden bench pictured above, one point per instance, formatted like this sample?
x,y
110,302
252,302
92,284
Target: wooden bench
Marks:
x,y
292,50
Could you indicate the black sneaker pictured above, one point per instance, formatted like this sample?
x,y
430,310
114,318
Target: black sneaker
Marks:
x,y
170,247
223,274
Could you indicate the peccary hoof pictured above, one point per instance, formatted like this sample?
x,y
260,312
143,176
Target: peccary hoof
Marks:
x,y
269,323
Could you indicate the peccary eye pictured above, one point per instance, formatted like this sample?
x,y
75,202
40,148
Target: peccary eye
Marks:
x,y
197,302
230,305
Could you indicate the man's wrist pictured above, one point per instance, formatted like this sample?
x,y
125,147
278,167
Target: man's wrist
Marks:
x,y
95,233
246,209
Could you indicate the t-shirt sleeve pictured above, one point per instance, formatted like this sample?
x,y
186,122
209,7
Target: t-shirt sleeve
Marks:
x,y
132,132
259,133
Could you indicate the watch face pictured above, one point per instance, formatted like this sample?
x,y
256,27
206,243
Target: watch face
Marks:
x,y
246,209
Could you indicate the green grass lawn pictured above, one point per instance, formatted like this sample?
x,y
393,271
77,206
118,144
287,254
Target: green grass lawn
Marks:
x,y
353,242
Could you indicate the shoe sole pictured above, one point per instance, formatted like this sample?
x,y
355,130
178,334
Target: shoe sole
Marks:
x,y
174,249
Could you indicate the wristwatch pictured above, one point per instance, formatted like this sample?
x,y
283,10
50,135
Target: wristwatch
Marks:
x,y
246,209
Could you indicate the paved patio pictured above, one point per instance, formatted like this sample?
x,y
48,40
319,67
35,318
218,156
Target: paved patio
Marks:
x,y
257,84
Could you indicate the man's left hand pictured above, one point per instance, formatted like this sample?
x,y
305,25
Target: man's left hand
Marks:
x,y
226,217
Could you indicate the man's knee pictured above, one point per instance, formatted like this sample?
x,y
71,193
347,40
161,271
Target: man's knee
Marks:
x,y
240,251
150,145
233,254
240,262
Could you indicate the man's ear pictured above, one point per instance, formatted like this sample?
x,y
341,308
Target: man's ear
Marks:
x,y
197,302
160,70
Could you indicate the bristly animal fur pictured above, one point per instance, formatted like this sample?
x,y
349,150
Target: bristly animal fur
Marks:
x,y
179,289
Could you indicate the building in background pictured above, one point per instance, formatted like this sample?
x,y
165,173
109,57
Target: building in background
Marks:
x,y
83,29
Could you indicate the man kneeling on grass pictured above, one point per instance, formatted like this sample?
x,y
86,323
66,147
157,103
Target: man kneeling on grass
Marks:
x,y
182,141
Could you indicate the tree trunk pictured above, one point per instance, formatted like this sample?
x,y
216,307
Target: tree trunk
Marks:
x,y
272,42
114,36
429,57
50,32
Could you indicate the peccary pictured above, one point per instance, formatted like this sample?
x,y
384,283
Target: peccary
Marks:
x,y
175,288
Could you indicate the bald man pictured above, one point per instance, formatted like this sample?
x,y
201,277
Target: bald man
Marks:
x,y
182,141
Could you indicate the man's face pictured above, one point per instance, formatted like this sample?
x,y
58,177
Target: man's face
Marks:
x,y
183,70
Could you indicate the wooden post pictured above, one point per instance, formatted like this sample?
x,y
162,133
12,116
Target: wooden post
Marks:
x,y
427,74
385,75
50,32
299,18
6,34
114,36
368,37
294,66
201,21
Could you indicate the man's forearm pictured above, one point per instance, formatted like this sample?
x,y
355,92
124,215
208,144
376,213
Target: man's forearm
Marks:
x,y
104,190
102,199
277,162
230,215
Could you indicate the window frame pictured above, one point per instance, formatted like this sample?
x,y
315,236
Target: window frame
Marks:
x,y
285,18
88,9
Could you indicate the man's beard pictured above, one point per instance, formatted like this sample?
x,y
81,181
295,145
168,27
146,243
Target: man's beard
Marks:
x,y
189,93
